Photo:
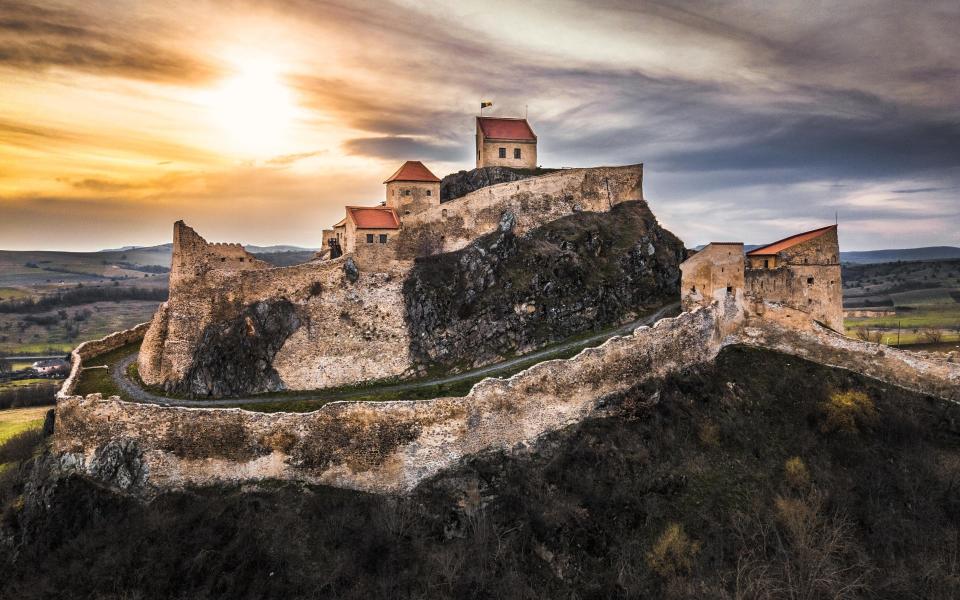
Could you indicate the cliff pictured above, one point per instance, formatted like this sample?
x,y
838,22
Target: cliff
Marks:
x,y
508,294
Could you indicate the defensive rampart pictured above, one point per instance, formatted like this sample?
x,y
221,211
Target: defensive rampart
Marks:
x,y
380,447
390,447
532,201
94,348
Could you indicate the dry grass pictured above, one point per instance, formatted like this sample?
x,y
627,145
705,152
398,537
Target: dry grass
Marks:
x,y
673,553
847,412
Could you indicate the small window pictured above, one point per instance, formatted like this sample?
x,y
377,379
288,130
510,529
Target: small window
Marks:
x,y
503,152
729,289
429,192
809,280
406,192
393,192
443,213
516,152
406,212
223,259
369,238
383,238
241,259
766,263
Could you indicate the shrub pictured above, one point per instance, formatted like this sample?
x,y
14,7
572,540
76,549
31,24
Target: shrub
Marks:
x,y
20,447
845,411
869,335
673,552
796,473
709,434
931,335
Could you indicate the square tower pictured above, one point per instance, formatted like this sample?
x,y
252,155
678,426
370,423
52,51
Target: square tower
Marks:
x,y
503,142
413,188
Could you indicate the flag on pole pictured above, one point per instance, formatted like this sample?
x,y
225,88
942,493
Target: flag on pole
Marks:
x,y
485,103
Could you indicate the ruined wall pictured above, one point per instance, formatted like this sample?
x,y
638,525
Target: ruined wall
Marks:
x,y
534,202
390,447
352,325
384,447
93,348
712,273
344,325
784,329
815,289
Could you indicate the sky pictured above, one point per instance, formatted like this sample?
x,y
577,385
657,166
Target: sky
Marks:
x,y
256,121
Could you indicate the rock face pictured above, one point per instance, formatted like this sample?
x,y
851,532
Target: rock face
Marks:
x,y
236,355
507,294
461,183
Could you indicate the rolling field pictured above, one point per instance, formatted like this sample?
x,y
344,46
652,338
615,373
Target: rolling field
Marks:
x,y
924,295
16,420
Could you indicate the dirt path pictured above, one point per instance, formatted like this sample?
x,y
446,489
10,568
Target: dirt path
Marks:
x,y
133,391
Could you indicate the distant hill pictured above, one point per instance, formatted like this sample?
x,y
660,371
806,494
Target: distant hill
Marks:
x,y
905,254
883,256
249,248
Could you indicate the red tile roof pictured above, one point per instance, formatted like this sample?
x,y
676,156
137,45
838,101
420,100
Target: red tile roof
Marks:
x,y
373,217
788,242
413,170
506,129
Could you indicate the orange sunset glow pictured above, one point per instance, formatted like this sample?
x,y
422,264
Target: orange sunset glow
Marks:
x,y
257,121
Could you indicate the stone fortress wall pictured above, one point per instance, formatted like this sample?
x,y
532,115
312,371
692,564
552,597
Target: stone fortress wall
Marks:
x,y
94,348
390,447
805,277
349,324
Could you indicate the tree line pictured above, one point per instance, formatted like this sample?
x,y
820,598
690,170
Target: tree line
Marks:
x,y
82,295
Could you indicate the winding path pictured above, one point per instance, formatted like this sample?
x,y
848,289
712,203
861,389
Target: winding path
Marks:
x,y
119,372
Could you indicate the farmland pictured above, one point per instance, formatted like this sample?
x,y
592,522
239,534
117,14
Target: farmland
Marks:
x,y
924,298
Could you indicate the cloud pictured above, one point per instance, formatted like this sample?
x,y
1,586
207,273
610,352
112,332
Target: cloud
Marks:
x,y
403,148
289,159
37,37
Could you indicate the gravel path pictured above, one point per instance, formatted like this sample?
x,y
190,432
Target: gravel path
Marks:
x,y
118,371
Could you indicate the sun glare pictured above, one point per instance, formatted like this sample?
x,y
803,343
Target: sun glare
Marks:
x,y
255,109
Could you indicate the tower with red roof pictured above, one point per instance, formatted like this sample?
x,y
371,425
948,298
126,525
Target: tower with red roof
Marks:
x,y
505,142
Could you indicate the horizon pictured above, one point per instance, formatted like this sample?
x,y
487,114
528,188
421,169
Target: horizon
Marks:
x,y
260,120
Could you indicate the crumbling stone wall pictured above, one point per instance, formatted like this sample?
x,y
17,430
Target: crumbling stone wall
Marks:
x,y
533,201
390,447
349,326
92,348
352,313
814,289
383,447
712,273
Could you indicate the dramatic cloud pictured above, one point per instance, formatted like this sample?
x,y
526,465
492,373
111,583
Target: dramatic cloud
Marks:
x,y
753,120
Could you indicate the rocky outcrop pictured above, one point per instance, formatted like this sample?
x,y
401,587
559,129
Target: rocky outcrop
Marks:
x,y
507,294
235,356
461,183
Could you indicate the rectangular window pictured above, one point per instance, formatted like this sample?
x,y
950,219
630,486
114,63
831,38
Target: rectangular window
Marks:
x,y
429,192
406,192
503,152
809,280
369,238
516,152
383,238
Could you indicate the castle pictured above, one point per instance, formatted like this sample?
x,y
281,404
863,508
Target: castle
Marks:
x,y
236,325
413,188
801,271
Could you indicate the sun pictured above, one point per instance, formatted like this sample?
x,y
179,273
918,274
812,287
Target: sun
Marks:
x,y
255,109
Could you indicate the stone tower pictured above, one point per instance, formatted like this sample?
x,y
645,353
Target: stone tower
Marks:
x,y
413,188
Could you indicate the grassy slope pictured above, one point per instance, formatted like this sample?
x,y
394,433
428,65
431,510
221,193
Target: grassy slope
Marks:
x,y
15,420
581,516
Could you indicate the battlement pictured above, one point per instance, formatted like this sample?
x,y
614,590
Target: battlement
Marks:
x,y
193,256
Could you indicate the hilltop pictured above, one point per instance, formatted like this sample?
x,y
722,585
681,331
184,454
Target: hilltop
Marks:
x,y
745,478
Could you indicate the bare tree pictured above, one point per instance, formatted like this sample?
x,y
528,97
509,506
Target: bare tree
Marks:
x,y
869,335
5,366
931,335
